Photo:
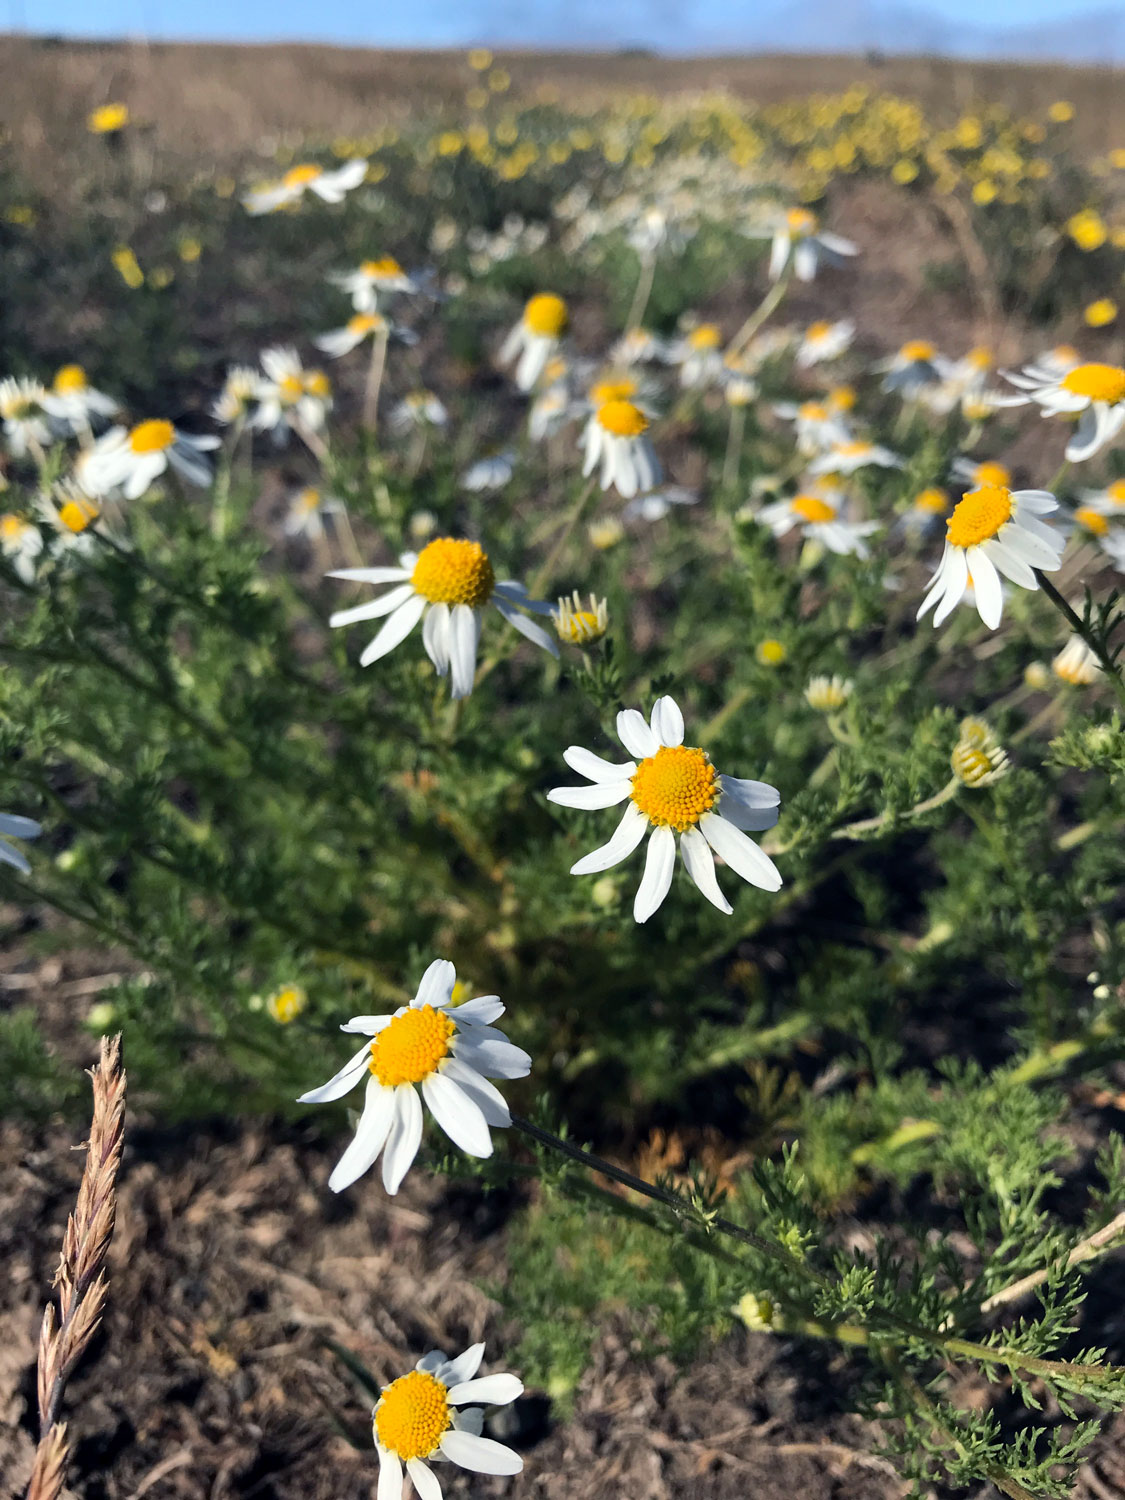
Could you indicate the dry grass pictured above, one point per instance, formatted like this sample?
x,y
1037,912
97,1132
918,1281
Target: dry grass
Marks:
x,y
215,103
80,1279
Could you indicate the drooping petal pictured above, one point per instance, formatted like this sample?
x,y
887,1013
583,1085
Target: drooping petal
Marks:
x,y
370,575
700,865
19,828
464,633
395,629
390,1476
486,1096
741,854
464,1367
480,1455
657,878
457,1114
527,628
626,836
750,793
986,586
337,1086
426,1484
404,1139
492,1059
369,1139
490,1390
373,609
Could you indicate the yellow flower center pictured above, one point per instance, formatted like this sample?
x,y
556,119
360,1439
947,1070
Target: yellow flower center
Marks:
x,y
70,378
970,764
934,501
1088,517
386,265
612,390
979,358
108,118
317,383
12,528
410,1048
449,571
287,1004
413,1416
812,411
365,322
917,349
622,418
675,787
800,221
706,336
842,398
991,475
302,175
152,437
1097,382
812,508
770,653
816,333
306,501
1101,312
545,315
78,513
853,450
1116,492
979,515
290,389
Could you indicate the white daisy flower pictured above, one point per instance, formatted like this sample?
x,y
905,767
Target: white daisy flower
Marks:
x,y
817,426
73,402
1058,360
549,411
307,509
828,694
419,409
993,530
981,474
1095,393
489,474
819,519
418,1420
916,365
535,338
1076,663
799,240
23,410
449,581
341,341
330,187
824,340
616,436
1107,502
673,789
846,458
72,515
699,356
16,827
637,346
578,625
133,457
657,503
966,383
449,1052
371,279
239,392
21,543
291,395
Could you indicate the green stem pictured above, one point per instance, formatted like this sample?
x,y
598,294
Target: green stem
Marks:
x,y
769,303
1080,628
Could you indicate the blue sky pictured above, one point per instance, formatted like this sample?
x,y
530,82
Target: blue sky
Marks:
x,y
433,22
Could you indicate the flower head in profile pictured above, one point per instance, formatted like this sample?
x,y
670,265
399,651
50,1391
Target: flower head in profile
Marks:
x,y
672,789
449,582
239,392
824,340
1076,663
372,279
817,425
291,395
699,355
74,403
978,759
23,411
819,516
846,458
578,624
341,341
1094,393
21,542
993,530
536,336
132,458
489,474
799,241
421,1419
308,507
916,365
448,1052
418,411
616,437
828,694
1109,501
15,827
306,177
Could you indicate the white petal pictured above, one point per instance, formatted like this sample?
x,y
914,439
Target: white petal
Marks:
x,y
1007,561
594,768
657,878
373,609
435,637
20,828
490,1390
11,856
492,1059
750,793
337,1086
464,632
955,570
667,722
478,1454
528,628
626,836
599,794
367,1025
464,1367
480,1011
457,1115
635,734
741,854
390,1476
700,865
986,586
395,629
404,1139
437,984
486,1096
425,1481
370,1136
370,575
